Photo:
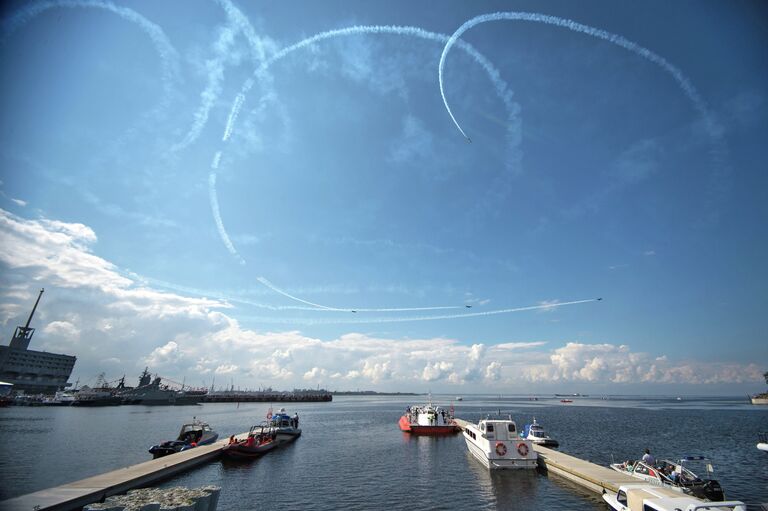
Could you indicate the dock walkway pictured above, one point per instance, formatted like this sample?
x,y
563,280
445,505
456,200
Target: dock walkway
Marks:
x,y
584,473
93,489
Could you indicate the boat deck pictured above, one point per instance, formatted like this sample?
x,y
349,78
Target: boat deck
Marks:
x,y
584,473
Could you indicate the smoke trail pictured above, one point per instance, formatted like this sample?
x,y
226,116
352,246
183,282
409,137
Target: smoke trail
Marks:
x,y
684,83
405,319
216,160
237,23
280,291
502,90
355,309
217,217
165,50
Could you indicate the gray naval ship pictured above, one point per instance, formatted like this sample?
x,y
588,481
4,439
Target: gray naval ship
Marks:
x,y
152,392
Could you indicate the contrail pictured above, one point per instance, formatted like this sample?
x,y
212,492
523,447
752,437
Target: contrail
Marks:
x,y
502,90
684,83
280,291
166,51
237,24
404,319
354,309
217,216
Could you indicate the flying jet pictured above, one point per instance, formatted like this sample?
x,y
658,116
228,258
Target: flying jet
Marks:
x,y
468,306
599,299
354,311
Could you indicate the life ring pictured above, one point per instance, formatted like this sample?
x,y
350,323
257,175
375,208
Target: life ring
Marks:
x,y
522,449
501,449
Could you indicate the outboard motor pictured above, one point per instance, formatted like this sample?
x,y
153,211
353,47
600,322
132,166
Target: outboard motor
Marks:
x,y
713,491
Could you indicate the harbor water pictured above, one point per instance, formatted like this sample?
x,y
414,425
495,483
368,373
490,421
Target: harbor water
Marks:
x,y
353,456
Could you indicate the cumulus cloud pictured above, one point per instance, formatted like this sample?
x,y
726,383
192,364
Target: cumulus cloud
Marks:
x,y
111,322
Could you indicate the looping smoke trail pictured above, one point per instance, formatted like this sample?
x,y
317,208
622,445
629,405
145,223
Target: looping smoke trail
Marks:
x,y
684,83
165,50
502,90
405,319
217,217
237,23
340,309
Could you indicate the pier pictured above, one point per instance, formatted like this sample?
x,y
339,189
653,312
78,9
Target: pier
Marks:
x,y
94,489
584,473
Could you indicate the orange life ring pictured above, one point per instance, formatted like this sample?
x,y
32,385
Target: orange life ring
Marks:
x,y
501,449
522,449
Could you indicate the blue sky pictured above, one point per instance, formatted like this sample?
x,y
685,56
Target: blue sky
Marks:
x,y
153,215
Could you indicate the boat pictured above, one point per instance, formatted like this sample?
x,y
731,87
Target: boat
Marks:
x,y
495,444
763,443
536,434
676,476
260,439
61,398
760,399
566,401
459,398
191,435
152,392
646,497
287,427
428,420
97,396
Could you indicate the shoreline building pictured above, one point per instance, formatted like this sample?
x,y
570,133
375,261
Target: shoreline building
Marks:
x,y
31,371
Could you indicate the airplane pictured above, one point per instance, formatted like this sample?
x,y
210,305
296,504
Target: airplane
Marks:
x,y
354,311
599,299
468,306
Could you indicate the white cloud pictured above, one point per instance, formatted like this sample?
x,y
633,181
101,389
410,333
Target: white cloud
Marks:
x,y
103,317
19,202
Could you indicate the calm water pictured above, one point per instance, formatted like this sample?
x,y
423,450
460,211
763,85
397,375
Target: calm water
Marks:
x,y
352,455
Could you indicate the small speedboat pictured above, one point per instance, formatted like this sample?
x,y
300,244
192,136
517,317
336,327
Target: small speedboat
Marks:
x,y
676,476
566,401
763,443
428,420
649,497
495,444
191,435
260,439
287,427
536,434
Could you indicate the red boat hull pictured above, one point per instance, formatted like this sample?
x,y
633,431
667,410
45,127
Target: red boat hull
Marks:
x,y
415,429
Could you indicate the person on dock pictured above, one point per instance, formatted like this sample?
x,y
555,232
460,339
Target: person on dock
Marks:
x,y
648,458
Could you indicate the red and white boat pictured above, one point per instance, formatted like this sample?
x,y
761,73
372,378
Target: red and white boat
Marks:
x,y
428,420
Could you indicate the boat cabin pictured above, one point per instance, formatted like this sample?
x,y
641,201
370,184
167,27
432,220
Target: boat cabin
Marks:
x,y
499,429
194,431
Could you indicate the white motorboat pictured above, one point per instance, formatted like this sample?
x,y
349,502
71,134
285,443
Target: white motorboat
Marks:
x,y
675,475
495,444
536,434
648,497
763,443
285,425
61,398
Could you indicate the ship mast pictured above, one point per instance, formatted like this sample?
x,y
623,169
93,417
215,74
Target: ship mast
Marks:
x,y
23,334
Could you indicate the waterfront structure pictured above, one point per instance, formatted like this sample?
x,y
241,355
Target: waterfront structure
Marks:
x,y
31,371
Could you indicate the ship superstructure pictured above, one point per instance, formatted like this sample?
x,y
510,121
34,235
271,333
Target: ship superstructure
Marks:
x,y
31,371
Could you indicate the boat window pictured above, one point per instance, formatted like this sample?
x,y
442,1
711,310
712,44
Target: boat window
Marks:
x,y
490,428
641,469
511,428
621,497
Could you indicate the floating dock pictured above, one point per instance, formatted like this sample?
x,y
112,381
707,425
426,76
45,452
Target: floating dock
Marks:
x,y
94,489
584,473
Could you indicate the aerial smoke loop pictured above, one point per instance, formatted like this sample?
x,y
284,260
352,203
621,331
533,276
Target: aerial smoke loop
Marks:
x,y
502,90
685,84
